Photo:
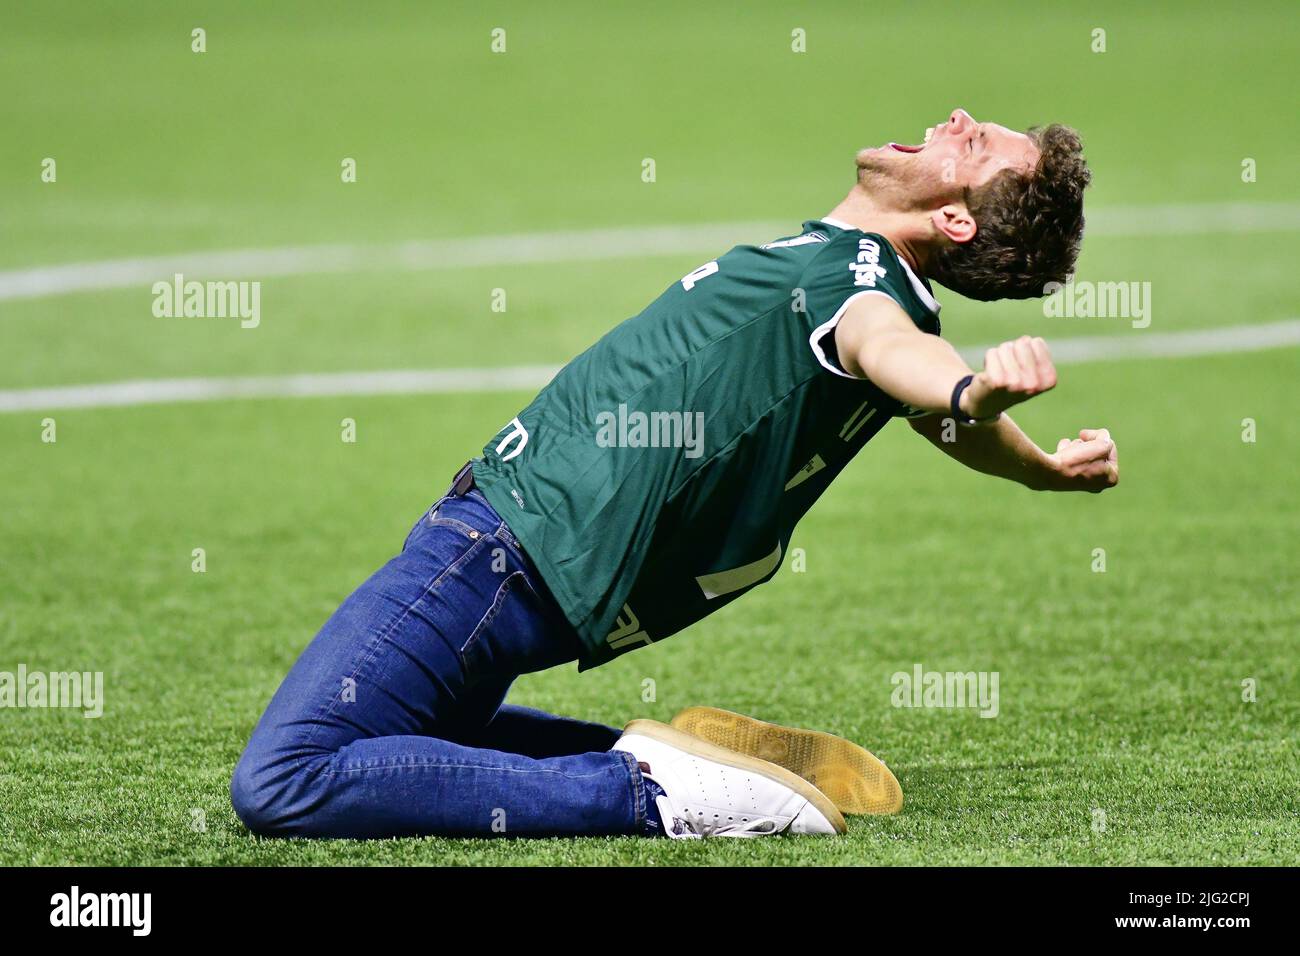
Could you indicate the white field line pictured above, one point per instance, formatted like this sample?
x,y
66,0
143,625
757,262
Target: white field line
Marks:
x,y
321,385
1136,344
577,246
415,255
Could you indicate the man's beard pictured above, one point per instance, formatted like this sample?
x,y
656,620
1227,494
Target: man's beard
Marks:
x,y
901,185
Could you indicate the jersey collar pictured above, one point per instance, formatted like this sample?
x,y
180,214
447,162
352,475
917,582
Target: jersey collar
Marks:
x,y
925,295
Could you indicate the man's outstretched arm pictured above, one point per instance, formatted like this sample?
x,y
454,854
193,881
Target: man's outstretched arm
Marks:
x,y
1087,463
876,340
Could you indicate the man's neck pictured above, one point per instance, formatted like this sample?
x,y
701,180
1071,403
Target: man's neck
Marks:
x,y
858,209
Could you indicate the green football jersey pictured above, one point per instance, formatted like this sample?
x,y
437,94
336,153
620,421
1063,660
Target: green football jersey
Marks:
x,y
660,475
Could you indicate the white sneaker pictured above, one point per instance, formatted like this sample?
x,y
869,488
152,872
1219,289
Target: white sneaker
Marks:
x,y
711,791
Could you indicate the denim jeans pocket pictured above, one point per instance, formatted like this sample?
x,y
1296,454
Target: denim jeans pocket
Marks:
x,y
476,653
472,533
439,517
420,522
515,636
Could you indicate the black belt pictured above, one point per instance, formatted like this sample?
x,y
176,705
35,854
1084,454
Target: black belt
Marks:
x,y
463,483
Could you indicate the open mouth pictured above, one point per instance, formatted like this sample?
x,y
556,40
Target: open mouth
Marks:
x,y
904,148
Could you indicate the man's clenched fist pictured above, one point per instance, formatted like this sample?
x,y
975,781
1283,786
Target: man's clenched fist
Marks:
x,y
1087,463
1013,372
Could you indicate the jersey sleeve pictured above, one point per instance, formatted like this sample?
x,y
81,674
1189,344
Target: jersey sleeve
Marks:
x,y
851,266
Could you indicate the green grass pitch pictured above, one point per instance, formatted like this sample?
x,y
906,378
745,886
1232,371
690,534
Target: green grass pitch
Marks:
x,y
1122,737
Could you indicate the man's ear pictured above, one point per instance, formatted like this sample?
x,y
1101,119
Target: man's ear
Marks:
x,y
955,222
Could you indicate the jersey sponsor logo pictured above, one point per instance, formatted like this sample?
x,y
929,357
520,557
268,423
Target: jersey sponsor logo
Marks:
x,y
735,579
796,241
627,630
806,472
517,432
866,267
856,421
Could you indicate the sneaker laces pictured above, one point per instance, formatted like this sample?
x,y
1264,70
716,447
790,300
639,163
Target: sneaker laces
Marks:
x,y
688,827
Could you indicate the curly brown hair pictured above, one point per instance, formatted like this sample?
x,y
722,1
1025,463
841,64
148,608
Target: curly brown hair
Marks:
x,y
1028,226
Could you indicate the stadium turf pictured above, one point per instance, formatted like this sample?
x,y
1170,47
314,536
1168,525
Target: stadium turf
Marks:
x,y
1122,734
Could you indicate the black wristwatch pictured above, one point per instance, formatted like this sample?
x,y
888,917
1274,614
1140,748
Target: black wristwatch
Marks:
x,y
961,417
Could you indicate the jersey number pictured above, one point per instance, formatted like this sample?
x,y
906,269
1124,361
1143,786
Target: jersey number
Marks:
x,y
703,272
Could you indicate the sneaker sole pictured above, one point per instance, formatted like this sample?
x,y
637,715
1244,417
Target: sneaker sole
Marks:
x,y
854,779
700,747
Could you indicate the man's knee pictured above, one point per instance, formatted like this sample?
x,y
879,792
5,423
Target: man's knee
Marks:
x,y
260,792
251,806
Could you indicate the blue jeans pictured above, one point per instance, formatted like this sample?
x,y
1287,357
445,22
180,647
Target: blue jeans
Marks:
x,y
391,722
